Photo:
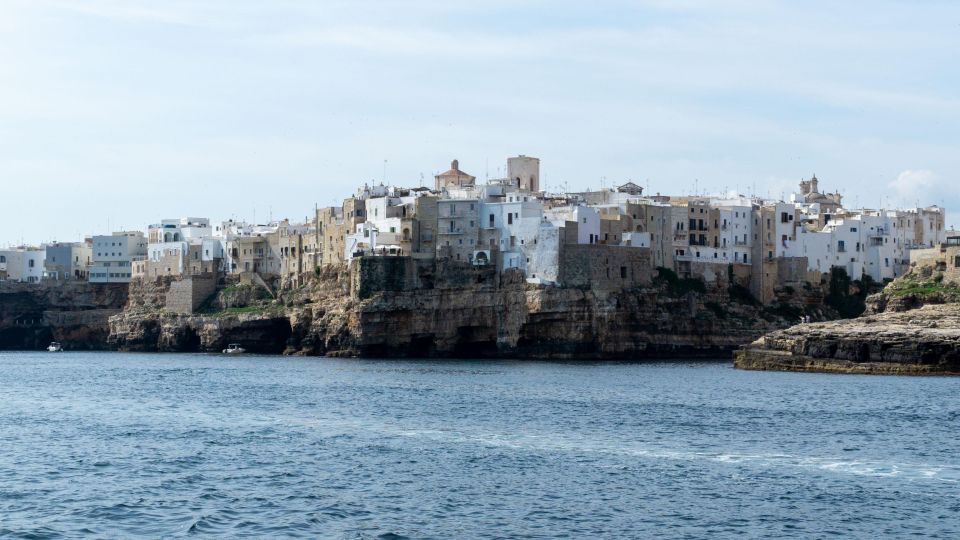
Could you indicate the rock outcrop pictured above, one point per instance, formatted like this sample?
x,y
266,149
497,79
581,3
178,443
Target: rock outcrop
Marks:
x,y
911,327
920,341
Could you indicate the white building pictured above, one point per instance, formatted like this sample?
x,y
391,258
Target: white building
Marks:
x,y
586,218
23,264
113,256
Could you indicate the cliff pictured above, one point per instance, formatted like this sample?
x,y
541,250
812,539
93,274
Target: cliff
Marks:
x,y
911,327
392,308
75,313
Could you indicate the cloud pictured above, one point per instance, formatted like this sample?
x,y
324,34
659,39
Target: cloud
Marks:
x,y
914,183
923,187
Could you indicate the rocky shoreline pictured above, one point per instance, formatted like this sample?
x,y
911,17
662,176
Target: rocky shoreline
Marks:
x,y
903,332
458,312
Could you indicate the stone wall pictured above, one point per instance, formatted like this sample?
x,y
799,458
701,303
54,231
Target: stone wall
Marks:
x,y
186,295
601,267
791,270
371,275
148,293
951,272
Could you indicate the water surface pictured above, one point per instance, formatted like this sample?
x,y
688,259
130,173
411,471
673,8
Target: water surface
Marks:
x,y
121,445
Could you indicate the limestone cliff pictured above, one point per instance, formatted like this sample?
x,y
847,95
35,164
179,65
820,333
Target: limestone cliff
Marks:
x,y
457,312
911,327
75,313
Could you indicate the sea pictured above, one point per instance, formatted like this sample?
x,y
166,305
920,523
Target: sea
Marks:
x,y
116,445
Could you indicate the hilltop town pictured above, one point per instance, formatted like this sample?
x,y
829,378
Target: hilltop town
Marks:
x,y
511,223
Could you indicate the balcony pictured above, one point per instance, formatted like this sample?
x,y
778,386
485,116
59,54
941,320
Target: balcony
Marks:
x,y
451,231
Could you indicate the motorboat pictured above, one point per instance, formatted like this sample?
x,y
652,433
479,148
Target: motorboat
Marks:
x,y
234,348
55,347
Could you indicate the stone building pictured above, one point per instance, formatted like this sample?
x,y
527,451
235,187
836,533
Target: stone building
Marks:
x,y
524,171
458,228
454,178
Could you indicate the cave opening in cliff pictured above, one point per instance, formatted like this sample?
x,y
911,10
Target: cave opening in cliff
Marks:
x,y
422,346
191,341
475,342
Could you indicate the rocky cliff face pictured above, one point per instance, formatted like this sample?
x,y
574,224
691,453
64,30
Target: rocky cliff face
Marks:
x,y
912,327
73,313
458,315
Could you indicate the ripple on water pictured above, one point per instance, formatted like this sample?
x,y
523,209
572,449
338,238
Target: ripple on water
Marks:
x,y
116,445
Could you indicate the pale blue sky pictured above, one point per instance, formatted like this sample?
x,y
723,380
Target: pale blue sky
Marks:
x,y
131,111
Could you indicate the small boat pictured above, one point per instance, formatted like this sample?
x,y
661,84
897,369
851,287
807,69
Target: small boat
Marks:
x,y
234,348
55,347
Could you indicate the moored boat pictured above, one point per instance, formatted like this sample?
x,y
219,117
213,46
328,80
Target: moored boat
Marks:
x,y
234,348
55,347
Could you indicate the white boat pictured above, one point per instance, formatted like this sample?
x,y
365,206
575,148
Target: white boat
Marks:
x,y
234,348
55,347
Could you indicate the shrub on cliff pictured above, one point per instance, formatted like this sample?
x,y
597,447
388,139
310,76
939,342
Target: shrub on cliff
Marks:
x,y
676,285
848,296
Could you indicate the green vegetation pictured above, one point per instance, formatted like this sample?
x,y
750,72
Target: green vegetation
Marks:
x,y
244,309
785,311
910,285
717,309
849,304
676,285
741,294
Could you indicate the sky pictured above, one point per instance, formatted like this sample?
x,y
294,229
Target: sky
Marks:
x,y
115,114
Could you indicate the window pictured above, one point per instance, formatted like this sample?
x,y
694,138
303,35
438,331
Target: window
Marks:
x,y
31,263
510,219
956,261
841,246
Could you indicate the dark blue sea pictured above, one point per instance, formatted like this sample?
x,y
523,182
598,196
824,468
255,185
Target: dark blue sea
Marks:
x,y
133,445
